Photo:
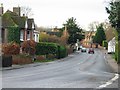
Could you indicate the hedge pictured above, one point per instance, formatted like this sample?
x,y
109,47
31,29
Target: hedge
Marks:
x,y
45,48
62,52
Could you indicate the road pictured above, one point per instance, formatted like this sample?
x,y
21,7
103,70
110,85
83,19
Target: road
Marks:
x,y
79,70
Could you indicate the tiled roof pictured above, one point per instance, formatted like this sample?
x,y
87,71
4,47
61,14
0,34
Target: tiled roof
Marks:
x,y
12,19
7,21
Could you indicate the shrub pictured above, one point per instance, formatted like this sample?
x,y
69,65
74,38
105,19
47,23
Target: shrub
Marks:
x,y
105,44
11,48
28,47
50,50
44,48
62,52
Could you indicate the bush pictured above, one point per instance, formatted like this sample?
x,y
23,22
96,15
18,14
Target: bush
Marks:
x,y
44,48
62,52
51,50
28,47
11,48
105,44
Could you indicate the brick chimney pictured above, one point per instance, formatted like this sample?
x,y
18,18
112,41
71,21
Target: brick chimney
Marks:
x,y
1,9
16,10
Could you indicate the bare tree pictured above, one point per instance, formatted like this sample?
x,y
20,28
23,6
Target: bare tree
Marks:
x,y
27,11
92,26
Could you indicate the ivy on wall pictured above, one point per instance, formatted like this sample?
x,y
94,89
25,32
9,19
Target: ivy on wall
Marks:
x,y
13,34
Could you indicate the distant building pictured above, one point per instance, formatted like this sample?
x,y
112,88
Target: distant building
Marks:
x,y
88,37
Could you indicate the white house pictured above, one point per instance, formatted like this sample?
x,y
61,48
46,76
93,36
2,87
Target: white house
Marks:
x,y
111,46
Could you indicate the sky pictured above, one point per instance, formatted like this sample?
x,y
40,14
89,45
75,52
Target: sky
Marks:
x,y
51,13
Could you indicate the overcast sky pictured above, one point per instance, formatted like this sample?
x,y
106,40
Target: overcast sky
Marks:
x,y
50,13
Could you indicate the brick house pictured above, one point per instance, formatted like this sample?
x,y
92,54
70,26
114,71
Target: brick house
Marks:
x,y
26,25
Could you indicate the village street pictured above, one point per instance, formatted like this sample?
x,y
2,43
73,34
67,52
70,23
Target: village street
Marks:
x,y
79,70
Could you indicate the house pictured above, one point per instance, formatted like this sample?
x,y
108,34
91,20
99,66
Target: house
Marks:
x,y
88,38
13,19
111,46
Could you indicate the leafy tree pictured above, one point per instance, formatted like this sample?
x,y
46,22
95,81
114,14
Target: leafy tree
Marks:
x,y
74,30
114,16
100,35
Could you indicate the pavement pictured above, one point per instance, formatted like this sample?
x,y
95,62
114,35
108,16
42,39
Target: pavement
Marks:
x,y
113,64
34,64
110,60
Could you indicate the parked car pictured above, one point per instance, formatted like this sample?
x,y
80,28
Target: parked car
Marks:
x,y
83,49
91,50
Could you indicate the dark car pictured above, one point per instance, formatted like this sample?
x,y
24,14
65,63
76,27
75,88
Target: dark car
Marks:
x,y
91,50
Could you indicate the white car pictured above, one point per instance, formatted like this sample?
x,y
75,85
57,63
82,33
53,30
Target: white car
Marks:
x,y
83,49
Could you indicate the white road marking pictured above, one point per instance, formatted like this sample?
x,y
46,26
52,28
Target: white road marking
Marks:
x,y
109,82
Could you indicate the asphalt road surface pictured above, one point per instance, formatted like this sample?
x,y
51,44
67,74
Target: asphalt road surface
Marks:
x,y
80,70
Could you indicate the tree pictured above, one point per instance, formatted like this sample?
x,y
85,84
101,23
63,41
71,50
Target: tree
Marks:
x,y
74,30
114,17
27,11
100,35
64,37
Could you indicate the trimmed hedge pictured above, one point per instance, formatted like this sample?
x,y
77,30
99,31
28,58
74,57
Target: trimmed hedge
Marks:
x,y
45,48
62,52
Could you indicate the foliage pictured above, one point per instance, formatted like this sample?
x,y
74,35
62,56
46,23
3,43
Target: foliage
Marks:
x,y
105,44
43,37
28,47
100,35
13,34
44,48
47,38
114,16
62,52
64,37
74,30
11,48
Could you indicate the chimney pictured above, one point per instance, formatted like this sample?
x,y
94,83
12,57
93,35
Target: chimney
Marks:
x,y
1,9
16,10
